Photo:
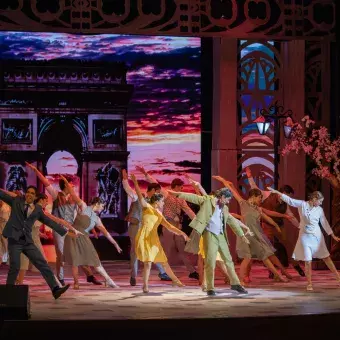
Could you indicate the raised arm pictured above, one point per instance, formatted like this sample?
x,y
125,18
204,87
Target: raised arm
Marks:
x,y
173,229
187,209
129,191
253,185
73,194
196,185
230,186
290,201
138,191
151,179
7,198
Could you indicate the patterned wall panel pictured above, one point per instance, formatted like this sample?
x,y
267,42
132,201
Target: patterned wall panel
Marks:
x,y
253,19
259,72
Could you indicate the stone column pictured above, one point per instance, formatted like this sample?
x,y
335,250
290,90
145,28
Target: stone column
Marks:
x,y
225,122
292,168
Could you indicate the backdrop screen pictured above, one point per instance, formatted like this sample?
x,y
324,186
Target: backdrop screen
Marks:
x,y
164,115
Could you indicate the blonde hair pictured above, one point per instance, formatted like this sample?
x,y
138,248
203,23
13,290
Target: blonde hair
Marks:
x,y
316,195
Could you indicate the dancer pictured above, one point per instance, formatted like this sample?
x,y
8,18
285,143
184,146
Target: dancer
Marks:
x,y
211,221
201,254
173,206
66,209
80,251
259,246
148,245
134,218
18,231
5,211
273,202
41,200
311,243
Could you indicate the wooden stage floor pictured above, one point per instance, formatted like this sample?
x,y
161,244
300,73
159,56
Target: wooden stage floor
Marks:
x,y
266,298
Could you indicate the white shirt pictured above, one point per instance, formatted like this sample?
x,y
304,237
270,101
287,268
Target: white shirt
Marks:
x,y
31,207
215,225
309,216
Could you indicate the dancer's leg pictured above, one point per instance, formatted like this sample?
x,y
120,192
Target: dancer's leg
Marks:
x,y
75,275
272,268
146,275
276,262
173,277
221,265
245,264
108,281
332,268
20,277
308,268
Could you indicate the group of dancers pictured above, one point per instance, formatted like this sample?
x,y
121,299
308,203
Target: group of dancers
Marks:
x,y
72,220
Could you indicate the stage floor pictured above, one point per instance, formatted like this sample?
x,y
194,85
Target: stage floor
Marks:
x,y
265,298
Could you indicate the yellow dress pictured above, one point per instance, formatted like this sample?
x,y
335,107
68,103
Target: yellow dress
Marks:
x,y
201,251
148,245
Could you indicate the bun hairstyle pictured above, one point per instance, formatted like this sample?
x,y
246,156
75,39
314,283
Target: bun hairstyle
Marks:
x,y
96,200
316,195
156,198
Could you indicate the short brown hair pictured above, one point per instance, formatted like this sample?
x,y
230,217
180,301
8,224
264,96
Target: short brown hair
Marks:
x,y
176,182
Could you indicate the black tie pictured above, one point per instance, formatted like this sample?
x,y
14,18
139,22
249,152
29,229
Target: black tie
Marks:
x,y
26,211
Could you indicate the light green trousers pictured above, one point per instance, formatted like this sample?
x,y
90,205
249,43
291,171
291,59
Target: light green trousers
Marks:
x,y
212,244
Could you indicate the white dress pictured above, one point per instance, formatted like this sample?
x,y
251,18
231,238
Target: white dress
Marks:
x,y
311,243
5,212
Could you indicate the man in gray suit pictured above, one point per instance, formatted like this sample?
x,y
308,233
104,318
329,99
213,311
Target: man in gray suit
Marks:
x,y
18,231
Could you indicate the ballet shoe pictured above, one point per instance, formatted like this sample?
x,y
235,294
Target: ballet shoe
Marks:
x,y
287,275
145,290
76,286
309,288
110,284
280,278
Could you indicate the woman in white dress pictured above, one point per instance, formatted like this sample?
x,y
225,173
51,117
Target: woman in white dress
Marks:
x,y
311,243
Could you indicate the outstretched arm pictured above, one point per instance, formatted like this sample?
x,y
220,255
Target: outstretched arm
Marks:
x,y
151,179
270,221
62,222
196,185
276,214
192,198
173,229
101,227
138,191
253,185
129,191
6,197
290,201
73,194
231,187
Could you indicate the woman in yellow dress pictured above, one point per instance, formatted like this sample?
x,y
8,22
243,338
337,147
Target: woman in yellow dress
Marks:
x,y
148,246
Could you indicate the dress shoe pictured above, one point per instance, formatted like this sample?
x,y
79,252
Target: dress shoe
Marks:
x,y
300,270
164,277
93,280
239,289
58,291
194,275
271,275
133,281
211,293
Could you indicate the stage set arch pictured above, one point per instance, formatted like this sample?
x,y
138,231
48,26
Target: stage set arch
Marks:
x,y
298,51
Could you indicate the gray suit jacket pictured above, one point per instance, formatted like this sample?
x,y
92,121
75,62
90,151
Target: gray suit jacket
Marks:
x,y
17,225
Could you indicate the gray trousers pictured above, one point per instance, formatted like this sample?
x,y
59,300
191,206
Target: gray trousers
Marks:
x,y
171,241
59,250
132,231
34,255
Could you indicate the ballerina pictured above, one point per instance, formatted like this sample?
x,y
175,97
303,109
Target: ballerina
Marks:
x,y
311,243
80,251
148,246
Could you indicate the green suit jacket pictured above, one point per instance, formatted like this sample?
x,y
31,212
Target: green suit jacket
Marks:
x,y
207,205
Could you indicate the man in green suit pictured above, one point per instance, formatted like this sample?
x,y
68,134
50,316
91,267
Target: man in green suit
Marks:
x,y
210,222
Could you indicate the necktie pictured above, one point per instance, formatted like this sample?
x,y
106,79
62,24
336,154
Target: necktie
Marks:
x,y
26,211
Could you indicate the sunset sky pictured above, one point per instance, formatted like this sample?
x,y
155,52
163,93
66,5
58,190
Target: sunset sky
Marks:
x,y
164,116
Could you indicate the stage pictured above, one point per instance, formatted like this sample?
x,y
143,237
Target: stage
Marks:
x,y
286,305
